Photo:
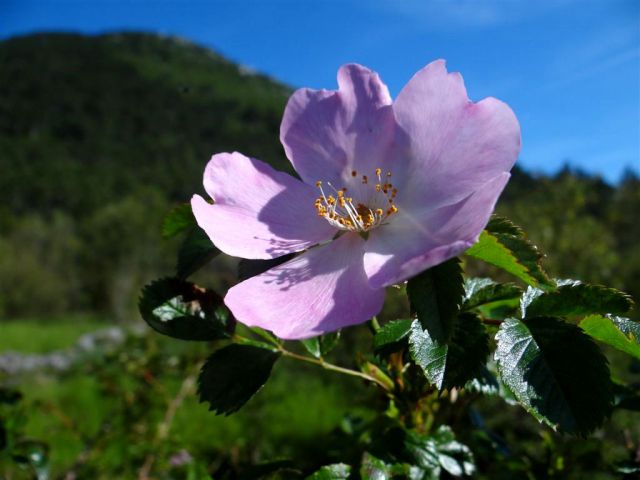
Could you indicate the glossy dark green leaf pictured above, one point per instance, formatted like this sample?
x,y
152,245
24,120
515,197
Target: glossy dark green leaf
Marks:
x,y
195,252
513,254
439,450
250,268
337,471
178,220
233,374
392,336
481,291
185,311
435,296
620,333
455,362
556,372
577,299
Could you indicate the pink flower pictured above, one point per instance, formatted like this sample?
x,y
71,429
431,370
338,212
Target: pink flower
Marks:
x,y
388,190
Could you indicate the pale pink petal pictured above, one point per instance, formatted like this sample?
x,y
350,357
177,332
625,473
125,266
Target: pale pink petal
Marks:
x,y
453,146
417,240
319,291
328,134
257,211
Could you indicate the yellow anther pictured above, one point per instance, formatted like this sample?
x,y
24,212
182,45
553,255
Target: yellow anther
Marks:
x,y
344,214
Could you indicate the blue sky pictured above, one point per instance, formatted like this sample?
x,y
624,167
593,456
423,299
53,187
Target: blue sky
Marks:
x,y
569,68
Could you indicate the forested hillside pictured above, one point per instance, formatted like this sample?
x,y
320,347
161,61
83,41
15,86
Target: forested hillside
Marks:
x,y
99,136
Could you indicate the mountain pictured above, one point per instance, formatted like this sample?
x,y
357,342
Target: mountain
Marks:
x,y
84,119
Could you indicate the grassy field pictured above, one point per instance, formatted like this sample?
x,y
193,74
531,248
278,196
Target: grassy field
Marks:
x,y
107,417
31,335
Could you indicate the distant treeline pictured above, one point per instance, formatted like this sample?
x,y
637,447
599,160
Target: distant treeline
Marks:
x,y
99,136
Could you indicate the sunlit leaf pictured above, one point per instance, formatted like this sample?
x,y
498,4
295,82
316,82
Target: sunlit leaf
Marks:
x,y
338,471
556,372
454,362
436,296
512,253
620,333
392,336
576,299
482,291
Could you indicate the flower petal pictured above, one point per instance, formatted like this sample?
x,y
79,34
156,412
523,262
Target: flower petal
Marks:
x,y
320,291
418,240
454,145
258,212
327,134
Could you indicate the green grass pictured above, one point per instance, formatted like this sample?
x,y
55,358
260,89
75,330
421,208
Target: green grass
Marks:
x,y
288,418
42,336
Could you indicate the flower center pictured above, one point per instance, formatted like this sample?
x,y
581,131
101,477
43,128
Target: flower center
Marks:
x,y
345,213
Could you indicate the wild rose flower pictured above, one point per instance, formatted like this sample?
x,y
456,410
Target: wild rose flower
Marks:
x,y
387,190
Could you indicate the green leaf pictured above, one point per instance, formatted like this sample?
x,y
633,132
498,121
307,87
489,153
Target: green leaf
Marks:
x,y
483,291
233,374
436,296
33,454
182,310
556,372
391,336
321,345
499,224
195,252
512,253
250,268
178,220
484,382
337,471
577,299
373,468
439,451
455,362
620,333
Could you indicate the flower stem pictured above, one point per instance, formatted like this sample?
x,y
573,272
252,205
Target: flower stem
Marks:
x,y
335,368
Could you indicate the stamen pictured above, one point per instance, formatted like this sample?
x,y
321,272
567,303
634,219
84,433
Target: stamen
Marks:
x,y
345,214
